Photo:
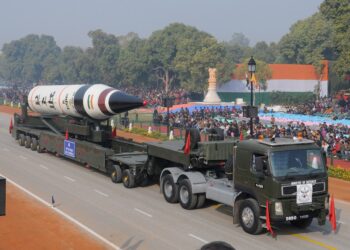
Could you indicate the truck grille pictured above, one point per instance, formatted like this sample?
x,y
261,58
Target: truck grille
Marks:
x,y
292,189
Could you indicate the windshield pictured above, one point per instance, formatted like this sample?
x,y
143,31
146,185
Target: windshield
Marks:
x,y
296,162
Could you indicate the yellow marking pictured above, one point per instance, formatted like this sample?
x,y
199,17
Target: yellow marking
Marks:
x,y
216,206
312,241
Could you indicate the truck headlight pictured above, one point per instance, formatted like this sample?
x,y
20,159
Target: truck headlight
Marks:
x,y
278,208
326,202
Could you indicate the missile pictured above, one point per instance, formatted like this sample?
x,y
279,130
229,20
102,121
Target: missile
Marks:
x,y
98,101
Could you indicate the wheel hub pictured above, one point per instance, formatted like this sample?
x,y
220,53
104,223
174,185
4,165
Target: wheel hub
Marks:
x,y
168,189
184,194
248,217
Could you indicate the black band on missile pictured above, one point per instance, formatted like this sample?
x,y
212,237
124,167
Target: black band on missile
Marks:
x,y
79,100
102,101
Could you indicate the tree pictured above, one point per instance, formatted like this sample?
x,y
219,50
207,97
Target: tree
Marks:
x,y
262,75
180,55
337,12
308,42
105,52
32,59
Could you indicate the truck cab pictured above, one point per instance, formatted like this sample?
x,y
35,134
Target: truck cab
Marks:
x,y
288,175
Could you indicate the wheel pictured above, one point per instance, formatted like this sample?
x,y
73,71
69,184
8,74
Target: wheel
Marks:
x,y
21,140
39,149
201,200
27,141
303,223
128,179
249,213
34,144
116,175
187,199
170,189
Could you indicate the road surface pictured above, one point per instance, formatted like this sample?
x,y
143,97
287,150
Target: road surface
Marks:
x,y
140,218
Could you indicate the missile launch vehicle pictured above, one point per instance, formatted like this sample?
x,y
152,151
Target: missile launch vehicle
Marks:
x,y
287,175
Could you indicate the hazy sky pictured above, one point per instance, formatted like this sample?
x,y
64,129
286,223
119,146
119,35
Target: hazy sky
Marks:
x,y
69,21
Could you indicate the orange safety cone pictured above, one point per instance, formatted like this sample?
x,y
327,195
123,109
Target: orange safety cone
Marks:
x,y
332,215
187,145
67,135
114,132
268,223
241,136
10,127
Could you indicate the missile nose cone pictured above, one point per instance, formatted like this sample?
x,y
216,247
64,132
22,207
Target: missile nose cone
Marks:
x,y
121,102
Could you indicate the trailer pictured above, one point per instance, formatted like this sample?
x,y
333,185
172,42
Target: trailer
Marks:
x,y
287,175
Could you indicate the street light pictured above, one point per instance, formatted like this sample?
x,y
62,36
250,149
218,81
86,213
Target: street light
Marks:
x,y
251,69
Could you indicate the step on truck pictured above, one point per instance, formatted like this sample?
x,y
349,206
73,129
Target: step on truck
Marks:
x,y
288,175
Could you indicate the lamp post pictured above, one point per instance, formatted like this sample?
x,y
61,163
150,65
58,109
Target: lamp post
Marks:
x,y
251,69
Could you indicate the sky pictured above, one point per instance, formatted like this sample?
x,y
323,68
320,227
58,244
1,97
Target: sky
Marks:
x,y
69,21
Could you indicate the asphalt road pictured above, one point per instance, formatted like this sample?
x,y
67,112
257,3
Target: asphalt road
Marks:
x,y
140,218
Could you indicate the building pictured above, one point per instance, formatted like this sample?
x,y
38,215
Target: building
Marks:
x,y
295,79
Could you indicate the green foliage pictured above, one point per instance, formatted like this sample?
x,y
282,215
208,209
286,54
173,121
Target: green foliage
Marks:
x,y
337,13
262,74
284,98
339,173
144,132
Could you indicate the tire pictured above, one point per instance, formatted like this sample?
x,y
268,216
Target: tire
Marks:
x,y
170,189
116,174
249,216
27,142
21,140
187,199
143,179
201,200
128,179
34,144
303,223
39,149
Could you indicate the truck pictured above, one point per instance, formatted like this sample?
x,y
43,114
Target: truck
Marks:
x,y
287,175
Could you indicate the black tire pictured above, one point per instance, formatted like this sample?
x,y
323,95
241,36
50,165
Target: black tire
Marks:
x,y
170,189
34,144
249,216
27,142
39,149
201,200
302,223
229,168
128,179
116,174
187,199
21,140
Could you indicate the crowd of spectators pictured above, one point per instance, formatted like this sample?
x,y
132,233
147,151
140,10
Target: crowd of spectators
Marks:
x,y
14,93
334,139
154,96
337,107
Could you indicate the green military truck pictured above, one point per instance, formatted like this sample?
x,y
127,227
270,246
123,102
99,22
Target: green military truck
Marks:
x,y
290,174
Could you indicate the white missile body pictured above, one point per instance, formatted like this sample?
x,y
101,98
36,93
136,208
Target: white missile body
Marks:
x,y
96,101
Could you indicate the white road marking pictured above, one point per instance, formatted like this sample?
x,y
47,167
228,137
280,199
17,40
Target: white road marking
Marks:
x,y
198,238
89,230
341,222
68,178
23,157
101,193
143,212
44,167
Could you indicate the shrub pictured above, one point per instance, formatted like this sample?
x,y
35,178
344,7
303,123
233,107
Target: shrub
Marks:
x,y
339,173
